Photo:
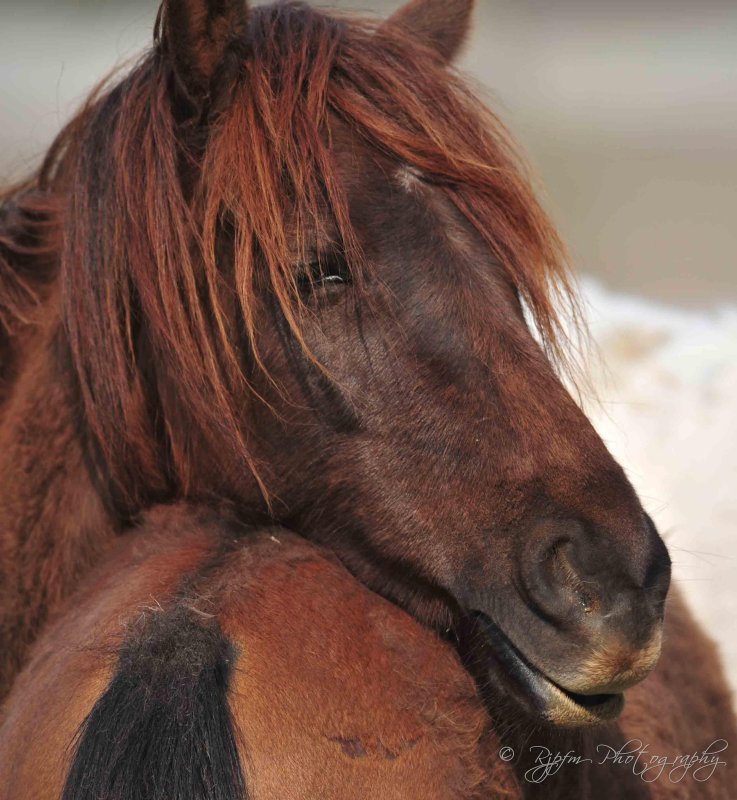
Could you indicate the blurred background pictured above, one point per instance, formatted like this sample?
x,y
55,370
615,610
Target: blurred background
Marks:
x,y
628,111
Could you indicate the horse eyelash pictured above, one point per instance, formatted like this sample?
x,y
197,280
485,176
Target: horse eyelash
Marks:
x,y
323,271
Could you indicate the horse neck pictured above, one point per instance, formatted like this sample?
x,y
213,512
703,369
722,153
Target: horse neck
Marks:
x,y
53,524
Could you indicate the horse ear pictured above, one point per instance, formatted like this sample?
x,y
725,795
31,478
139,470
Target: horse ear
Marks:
x,y
441,24
197,36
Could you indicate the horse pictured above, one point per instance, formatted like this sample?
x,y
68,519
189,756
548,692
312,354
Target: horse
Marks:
x,y
197,635
203,659
290,262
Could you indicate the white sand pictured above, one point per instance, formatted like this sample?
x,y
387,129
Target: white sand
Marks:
x,y
668,412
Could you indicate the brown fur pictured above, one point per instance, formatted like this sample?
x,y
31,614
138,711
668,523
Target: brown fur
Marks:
x,y
199,39
442,24
154,268
336,693
53,526
158,241
167,335
147,459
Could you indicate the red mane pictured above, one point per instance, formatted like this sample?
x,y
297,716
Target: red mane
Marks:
x,y
153,310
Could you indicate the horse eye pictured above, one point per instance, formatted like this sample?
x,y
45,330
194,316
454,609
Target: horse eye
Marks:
x,y
323,273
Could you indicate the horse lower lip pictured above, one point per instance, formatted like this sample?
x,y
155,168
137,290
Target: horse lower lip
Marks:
x,y
545,697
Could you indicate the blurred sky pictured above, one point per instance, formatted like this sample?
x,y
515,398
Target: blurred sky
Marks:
x,y
628,110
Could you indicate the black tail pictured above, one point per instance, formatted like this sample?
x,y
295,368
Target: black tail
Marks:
x,y
162,730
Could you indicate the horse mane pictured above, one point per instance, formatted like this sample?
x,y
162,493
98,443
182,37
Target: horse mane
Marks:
x,y
28,256
31,219
158,305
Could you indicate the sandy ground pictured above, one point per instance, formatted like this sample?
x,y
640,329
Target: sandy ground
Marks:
x,y
667,388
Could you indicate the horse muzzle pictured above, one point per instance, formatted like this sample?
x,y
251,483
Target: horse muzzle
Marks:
x,y
583,624
593,693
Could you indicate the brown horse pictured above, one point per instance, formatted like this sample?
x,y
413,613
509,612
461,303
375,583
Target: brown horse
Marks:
x,y
208,660
333,692
284,263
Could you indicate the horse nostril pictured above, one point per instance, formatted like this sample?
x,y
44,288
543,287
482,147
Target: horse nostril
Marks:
x,y
554,584
573,574
577,590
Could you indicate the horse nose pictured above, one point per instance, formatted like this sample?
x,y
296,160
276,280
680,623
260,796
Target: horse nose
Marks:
x,y
605,591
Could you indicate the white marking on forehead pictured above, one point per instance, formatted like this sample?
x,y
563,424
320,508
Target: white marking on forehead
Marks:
x,y
408,177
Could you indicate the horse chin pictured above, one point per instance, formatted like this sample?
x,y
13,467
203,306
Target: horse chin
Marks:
x,y
539,695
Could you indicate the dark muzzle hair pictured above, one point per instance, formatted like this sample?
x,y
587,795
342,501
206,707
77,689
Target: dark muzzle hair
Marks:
x,y
163,729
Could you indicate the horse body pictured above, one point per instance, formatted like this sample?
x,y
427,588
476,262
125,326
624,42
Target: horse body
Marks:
x,y
196,635
329,690
283,265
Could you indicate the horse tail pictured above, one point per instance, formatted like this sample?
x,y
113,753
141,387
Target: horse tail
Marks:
x,y
162,730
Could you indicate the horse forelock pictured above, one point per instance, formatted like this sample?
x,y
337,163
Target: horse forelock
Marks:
x,y
155,320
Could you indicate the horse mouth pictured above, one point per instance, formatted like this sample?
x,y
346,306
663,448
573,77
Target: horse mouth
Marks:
x,y
541,695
